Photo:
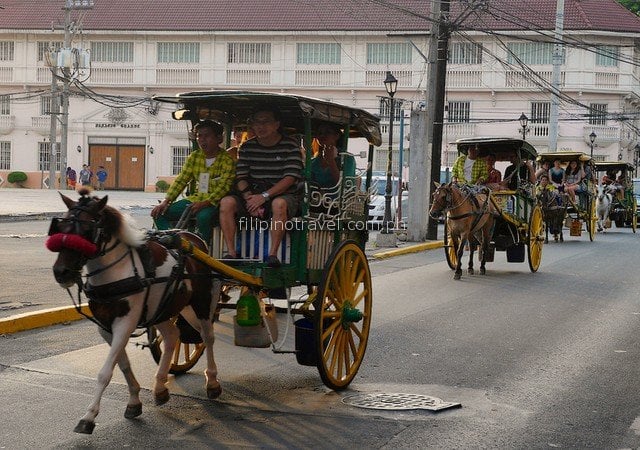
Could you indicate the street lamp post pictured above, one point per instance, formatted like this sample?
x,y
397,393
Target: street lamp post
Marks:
x,y
524,121
386,237
592,138
391,84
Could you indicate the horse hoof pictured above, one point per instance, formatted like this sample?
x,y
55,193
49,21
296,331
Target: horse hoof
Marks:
x,y
457,276
84,427
133,411
470,271
161,397
483,271
213,393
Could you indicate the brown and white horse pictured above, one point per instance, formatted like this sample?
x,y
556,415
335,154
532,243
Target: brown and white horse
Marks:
x,y
470,218
131,282
554,210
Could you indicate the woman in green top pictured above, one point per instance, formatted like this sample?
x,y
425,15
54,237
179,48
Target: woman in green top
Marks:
x,y
325,166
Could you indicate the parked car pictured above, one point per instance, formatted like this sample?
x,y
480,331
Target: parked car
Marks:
x,y
636,194
377,203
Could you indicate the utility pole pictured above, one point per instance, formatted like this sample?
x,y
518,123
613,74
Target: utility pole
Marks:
x,y
436,107
557,65
65,92
54,111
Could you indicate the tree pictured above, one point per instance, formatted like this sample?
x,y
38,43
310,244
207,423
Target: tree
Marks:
x,y
631,5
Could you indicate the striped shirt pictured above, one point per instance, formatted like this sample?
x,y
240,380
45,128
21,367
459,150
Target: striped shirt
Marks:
x,y
263,167
221,174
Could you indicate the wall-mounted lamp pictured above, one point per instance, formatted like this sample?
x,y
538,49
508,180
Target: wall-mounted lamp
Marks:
x,y
151,150
79,149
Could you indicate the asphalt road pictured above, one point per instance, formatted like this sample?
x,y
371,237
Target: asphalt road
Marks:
x,y
544,360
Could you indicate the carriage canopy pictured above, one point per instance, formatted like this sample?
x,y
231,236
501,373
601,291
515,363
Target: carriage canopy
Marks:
x,y
235,107
503,148
606,166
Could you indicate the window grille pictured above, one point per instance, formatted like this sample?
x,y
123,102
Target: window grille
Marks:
x,y
598,114
389,53
179,52
318,53
459,112
112,52
249,53
44,156
607,56
531,53
179,157
6,50
540,112
465,53
5,155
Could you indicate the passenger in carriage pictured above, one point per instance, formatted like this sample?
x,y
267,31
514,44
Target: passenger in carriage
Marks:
x,y
212,171
240,134
557,174
573,182
325,166
267,181
518,172
545,185
543,170
470,169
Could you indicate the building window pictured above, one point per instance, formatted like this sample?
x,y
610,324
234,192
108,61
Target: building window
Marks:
x,y
112,52
459,112
318,53
6,50
179,157
383,109
607,56
598,114
45,105
531,53
540,112
249,53
44,156
179,52
465,53
5,155
5,105
385,53
46,47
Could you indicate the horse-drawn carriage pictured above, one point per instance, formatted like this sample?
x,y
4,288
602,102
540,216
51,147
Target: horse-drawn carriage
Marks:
x,y
582,208
622,210
516,216
323,249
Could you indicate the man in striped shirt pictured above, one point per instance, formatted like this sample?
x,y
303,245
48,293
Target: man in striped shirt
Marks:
x,y
267,176
212,170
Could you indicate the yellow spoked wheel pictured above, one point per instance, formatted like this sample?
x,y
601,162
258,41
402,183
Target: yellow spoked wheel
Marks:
x,y
185,355
592,223
450,247
343,315
535,238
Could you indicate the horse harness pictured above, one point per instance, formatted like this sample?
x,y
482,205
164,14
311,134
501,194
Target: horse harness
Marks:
x,y
116,291
478,212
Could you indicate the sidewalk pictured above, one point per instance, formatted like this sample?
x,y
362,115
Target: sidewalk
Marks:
x,y
33,204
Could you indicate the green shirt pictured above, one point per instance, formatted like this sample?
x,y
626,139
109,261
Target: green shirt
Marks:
x,y
479,170
322,175
221,176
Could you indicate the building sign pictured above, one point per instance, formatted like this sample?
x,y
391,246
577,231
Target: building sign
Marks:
x,y
117,125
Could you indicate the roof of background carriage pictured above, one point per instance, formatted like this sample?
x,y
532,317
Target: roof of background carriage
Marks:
x,y
603,166
503,148
237,106
564,156
314,15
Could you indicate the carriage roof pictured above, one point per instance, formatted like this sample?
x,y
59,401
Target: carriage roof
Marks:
x,y
564,156
236,107
605,166
502,147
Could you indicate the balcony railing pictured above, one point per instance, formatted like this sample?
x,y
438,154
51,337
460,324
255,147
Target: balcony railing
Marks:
x,y
7,124
111,75
376,77
317,77
177,76
464,79
42,125
249,77
516,79
607,79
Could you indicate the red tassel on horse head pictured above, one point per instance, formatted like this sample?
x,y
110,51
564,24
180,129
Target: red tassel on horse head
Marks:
x,y
59,241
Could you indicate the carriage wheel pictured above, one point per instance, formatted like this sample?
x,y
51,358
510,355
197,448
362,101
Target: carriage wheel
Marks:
x,y
592,223
185,356
634,217
342,315
450,247
535,238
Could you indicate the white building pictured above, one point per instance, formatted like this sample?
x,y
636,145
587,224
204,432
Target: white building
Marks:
x,y
500,65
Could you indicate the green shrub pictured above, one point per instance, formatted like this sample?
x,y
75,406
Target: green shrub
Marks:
x,y
162,186
17,178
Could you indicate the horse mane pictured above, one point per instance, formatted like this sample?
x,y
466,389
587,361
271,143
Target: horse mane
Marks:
x,y
117,224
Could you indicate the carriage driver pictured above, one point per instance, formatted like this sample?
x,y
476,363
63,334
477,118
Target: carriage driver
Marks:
x,y
470,169
212,170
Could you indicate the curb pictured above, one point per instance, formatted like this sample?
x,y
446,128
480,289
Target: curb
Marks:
x,y
42,318
63,314
408,249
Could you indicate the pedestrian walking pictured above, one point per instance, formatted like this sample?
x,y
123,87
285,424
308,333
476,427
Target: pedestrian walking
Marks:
x,y
85,176
101,174
71,178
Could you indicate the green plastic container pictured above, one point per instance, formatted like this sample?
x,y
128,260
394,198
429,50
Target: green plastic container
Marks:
x,y
248,311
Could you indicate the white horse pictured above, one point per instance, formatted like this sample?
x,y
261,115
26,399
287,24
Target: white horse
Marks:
x,y
603,205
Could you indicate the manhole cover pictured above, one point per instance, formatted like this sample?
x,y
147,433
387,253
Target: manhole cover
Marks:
x,y
398,402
